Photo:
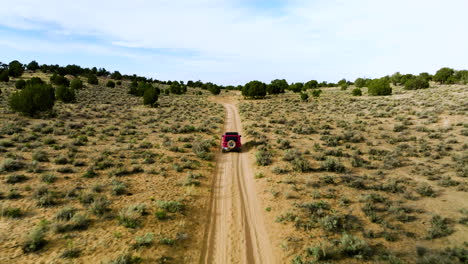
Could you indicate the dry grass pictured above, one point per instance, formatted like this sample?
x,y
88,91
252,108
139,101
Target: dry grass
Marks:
x,y
379,168
87,171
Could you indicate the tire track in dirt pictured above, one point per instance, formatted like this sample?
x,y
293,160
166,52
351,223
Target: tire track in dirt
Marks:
x,y
236,231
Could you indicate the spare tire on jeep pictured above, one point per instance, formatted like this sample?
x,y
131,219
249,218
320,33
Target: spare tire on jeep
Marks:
x,y
231,144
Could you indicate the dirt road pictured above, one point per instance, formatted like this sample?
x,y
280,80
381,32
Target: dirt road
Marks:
x,y
236,231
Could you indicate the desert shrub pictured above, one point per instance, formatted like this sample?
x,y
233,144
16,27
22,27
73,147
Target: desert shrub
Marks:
x,y
425,189
322,251
129,217
40,156
301,164
92,79
167,241
65,94
254,90
71,253
35,240
304,96
76,84
316,93
380,87
76,222
127,259
46,199
277,86
59,80
20,84
161,215
334,165
352,246
150,96
4,76
9,165
65,214
263,157
12,212
356,92
15,69
87,198
171,206
439,227
48,178
202,149
144,241
118,188
416,83
12,179
110,84
33,99
99,206
443,75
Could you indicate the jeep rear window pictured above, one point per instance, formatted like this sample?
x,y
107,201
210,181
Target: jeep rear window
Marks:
x,y
231,138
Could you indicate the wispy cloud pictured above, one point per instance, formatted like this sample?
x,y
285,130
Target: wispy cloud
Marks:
x,y
232,41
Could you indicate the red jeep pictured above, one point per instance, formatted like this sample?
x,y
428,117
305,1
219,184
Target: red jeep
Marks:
x,y
231,141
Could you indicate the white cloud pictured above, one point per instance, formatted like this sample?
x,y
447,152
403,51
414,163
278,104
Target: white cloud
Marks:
x,y
236,43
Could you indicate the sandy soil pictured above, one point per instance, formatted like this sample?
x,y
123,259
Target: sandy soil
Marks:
x,y
236,231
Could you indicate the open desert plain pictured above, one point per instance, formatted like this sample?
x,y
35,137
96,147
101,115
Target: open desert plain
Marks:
x,y
332,178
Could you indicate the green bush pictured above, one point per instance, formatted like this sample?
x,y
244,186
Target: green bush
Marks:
x,y
177,88
76,84
202,148
116,75
33,99
35,80
304,97
20,84
214,89
35,240
277,86
65,94
396,78
416,83
110,84
254,90
380,87
296,87
92,79
171,206
263,157
316,93
356,92
33,66
4,76
312,84
150,96
443,75
15,69
360,82
59,80
343,84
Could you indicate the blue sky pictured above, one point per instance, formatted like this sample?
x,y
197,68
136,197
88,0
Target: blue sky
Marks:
x,y
233,42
